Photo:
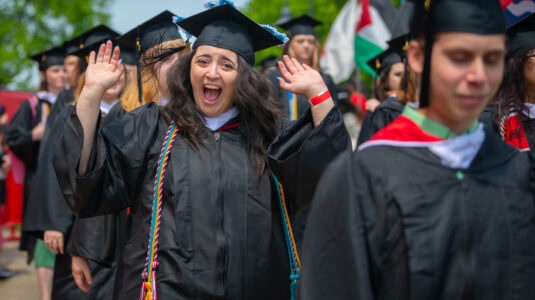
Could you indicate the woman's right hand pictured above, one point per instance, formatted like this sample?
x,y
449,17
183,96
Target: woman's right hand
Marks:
x,y
103,69
81,273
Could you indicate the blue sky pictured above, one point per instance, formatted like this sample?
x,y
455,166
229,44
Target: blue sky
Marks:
x,y
125,14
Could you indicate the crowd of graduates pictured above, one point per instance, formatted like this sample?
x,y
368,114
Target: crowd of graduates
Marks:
x,y
160,164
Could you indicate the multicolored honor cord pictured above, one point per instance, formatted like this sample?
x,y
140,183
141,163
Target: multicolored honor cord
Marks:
x,y
148,287
292,106
295,264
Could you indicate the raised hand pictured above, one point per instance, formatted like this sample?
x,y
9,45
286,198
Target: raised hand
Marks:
x,y
103,69
300,78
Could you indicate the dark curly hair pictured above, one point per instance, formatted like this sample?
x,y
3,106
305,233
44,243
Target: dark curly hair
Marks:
x,y
258,111
512,93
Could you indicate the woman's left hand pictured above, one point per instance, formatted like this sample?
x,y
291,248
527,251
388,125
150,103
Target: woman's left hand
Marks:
x,y
300,79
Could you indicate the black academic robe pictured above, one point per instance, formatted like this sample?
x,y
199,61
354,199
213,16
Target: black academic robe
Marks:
x,y
303,104
383,115
19,141
394,223
221,230
49,211
65,98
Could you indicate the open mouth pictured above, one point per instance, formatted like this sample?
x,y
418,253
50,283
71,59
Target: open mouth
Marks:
x,y
211,93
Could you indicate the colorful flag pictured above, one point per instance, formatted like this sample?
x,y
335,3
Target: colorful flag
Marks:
x,y
355,36
338,56
371,36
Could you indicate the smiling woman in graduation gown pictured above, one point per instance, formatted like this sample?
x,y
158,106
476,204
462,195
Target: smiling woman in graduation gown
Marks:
x,y
221,232
101,239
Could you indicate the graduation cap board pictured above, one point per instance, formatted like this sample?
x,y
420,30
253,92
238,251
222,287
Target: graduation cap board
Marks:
x,y
300,25
72,45
384,60
91,39
430,17
149,34
48,58
400,44
152,32
521,37
226,27
95,34
128,55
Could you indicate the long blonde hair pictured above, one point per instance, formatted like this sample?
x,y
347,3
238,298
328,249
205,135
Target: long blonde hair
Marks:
x,y
151,91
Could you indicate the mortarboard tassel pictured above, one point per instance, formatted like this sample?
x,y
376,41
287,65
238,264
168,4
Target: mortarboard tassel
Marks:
x,y
138,58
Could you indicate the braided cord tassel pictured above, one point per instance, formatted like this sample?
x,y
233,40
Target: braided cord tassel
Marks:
x,y
148,287
295,264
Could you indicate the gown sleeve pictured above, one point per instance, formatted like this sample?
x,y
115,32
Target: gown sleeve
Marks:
x,y
94,238
353,246
19,134
301,152
117,162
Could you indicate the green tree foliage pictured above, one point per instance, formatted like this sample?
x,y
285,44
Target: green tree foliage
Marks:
x,y
30,26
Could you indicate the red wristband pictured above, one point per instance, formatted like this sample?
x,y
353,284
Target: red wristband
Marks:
x,y
320,98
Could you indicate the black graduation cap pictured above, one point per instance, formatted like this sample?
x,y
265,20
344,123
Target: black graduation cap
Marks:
x,y
226,27
135,42
128,55
384,60
301,25
93,38
90,36
430,17
48,58
152,32
521,36
72,45
400,44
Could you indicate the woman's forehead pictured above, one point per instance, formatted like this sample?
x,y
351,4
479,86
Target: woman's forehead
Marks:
x,y
215,52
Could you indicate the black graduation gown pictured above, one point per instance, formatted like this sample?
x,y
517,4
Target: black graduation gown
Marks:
x,y
49,211
383,115
65,98
394,223
221,231
19,140
303,105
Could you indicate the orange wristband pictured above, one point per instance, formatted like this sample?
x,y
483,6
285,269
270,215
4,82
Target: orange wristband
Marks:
x,y
320,98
